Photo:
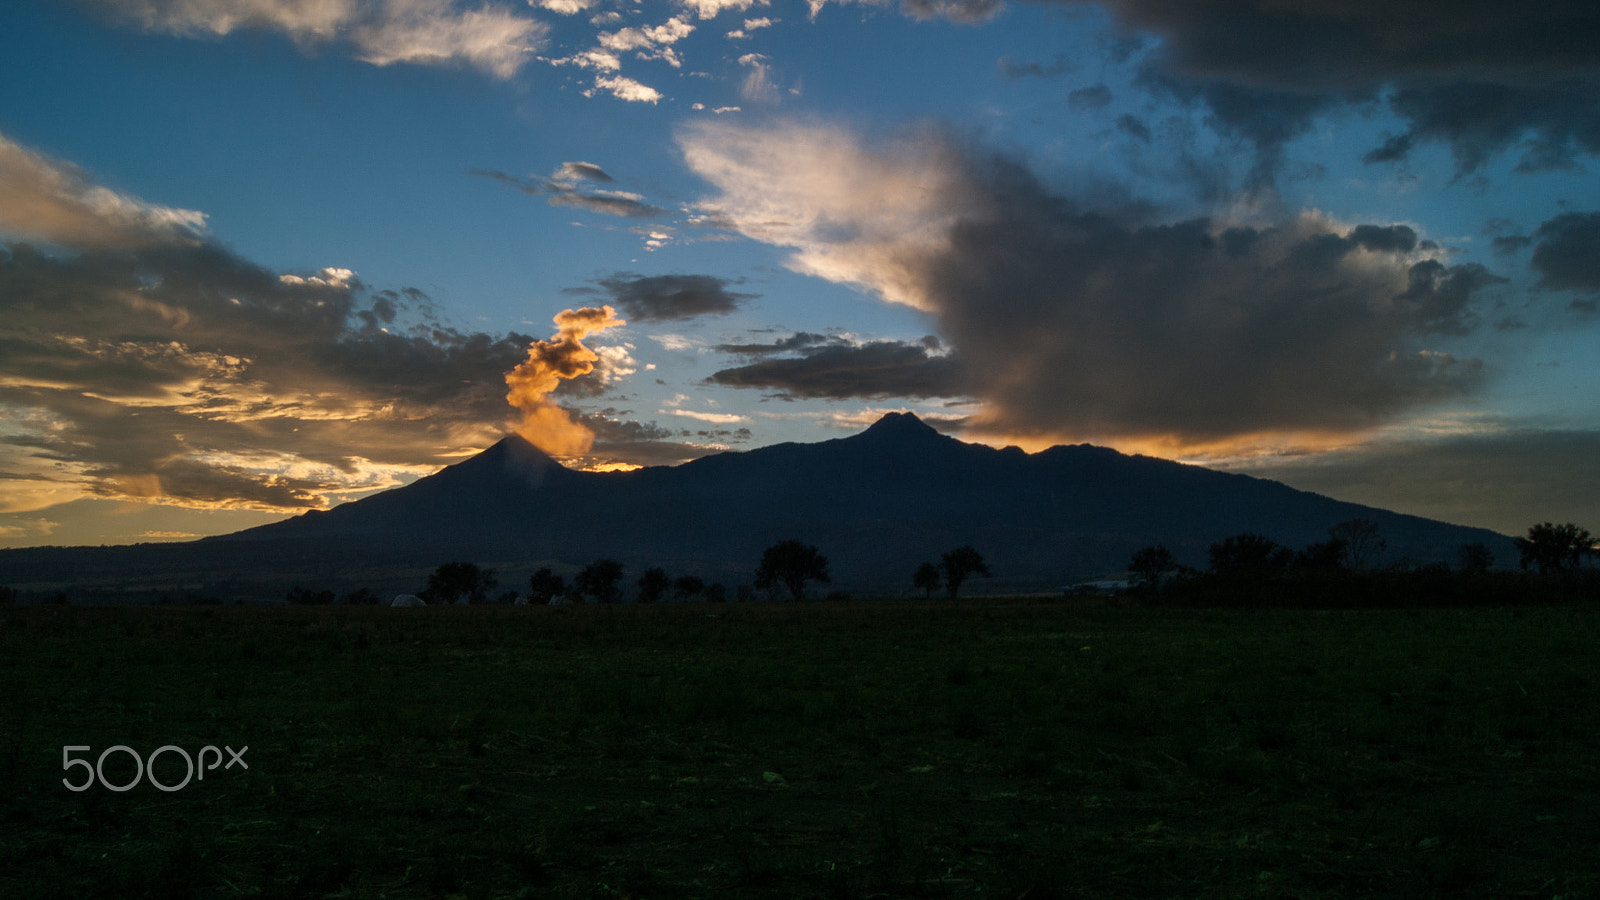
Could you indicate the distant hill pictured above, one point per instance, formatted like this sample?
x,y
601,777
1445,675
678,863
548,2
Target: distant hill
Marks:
x,y
876,504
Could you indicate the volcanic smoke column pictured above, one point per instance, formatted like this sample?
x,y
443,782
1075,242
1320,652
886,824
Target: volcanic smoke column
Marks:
x,y
546,425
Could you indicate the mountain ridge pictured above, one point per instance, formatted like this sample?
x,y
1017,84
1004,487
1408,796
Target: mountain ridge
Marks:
x,y
876,503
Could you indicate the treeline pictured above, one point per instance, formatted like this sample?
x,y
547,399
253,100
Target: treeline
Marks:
x,y
1250,570
785,567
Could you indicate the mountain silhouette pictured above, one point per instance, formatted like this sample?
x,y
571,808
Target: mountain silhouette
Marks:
x,y
877,504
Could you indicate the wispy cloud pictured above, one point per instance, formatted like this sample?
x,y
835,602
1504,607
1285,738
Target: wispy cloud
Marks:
x,y
493,38
567,186
714,418
48,200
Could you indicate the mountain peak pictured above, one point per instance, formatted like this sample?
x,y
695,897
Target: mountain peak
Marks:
x,y
901,426
512,455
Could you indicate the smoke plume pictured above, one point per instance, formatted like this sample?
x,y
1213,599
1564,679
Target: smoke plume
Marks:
x,y
563,357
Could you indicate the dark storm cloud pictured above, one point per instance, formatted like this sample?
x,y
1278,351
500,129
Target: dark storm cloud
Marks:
x,y
1556,124
1077,320
1436,300
1098,320
187,374
1481,76
659,298
840,369
1568,253
799,341
564,188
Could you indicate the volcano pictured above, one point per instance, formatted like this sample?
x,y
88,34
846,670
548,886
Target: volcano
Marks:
x,y
877,504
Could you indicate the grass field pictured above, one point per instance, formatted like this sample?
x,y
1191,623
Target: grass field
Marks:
x,y
985,748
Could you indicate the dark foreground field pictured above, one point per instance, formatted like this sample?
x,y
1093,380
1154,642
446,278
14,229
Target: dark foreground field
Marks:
x,y
980,749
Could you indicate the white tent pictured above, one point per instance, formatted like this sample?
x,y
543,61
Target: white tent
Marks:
x,y
409,600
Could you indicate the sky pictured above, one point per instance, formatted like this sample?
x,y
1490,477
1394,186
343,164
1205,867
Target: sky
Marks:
x,y
264,256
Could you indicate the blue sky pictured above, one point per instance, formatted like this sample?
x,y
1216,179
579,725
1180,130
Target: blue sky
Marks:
x,y
262,256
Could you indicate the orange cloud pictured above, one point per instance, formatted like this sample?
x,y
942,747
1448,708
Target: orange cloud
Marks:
x,y
563,357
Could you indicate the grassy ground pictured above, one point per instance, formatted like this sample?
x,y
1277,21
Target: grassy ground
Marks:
x,y
975,749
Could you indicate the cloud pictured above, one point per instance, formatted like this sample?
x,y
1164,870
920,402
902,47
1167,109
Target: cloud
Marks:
x,y
749,26
593,58
491,38
562,358
837,368
1568,252
964,12
638,443
159,374
710,9
1073,320
47,200
1012,70
713,418
568,7
575,171
565,187
140,359
1483,81
652,42
624,88
661,298
968,12
1097,96
758,86
1133,127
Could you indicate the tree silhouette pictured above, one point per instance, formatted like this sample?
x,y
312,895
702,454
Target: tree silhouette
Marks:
x,y
1150,563
1248,555
307,597
686,586
716,592
652,584
959,564
1555,548
1361,542
599,580
544,586
1475,558
1327,557
927,578
455,582
791,564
